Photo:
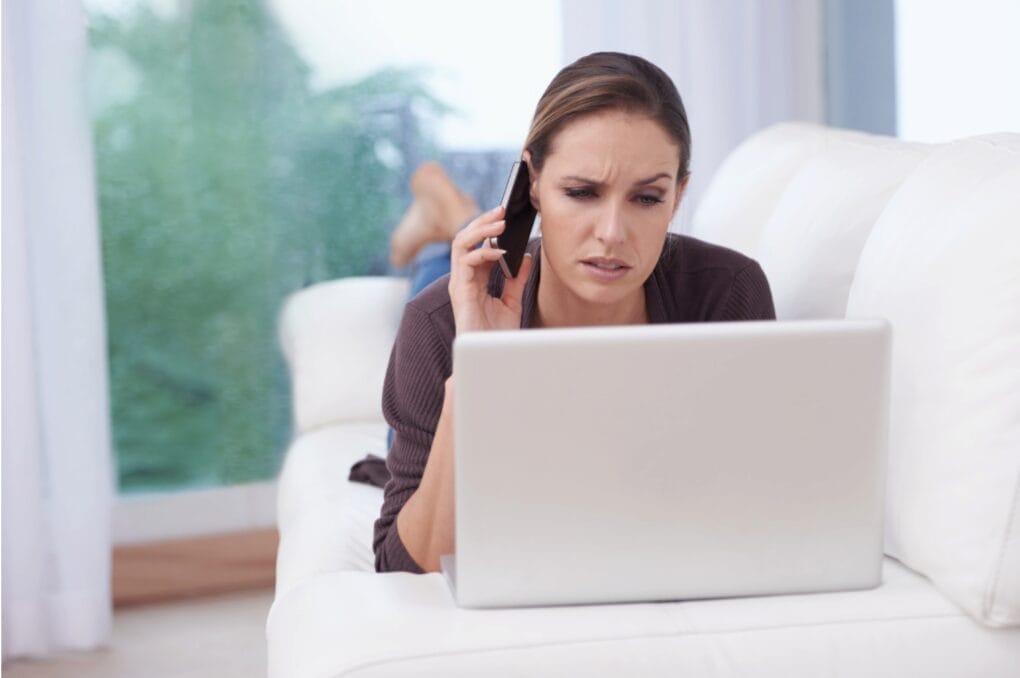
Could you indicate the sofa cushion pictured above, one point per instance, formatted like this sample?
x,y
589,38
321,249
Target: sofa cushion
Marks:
x,y
943,265
325,521
332,536
746,188
364,624
337,338
810,246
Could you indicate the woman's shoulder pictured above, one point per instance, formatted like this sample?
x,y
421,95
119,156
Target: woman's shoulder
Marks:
x,y
697,280
434,298
687,254
430,311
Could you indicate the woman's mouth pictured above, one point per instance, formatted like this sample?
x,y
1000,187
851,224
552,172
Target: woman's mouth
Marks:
x,y
606,269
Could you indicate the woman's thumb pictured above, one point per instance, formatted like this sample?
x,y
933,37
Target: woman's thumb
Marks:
x,y
513,290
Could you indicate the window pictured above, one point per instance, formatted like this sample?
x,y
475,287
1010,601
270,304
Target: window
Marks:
x,y
956,68
247,149
923,71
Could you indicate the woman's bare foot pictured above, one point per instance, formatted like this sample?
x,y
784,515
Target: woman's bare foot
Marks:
x,y
439,209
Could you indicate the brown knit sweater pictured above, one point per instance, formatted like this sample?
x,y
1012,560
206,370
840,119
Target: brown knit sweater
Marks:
x,y
693,282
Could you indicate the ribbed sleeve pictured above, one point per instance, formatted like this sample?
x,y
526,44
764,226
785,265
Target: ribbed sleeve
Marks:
x,y
413,395
749,296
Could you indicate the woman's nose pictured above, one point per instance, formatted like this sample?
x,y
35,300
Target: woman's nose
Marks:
x,y
611,228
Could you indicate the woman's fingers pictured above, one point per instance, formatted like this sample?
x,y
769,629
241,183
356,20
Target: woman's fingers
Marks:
x,y
480,260
481,255
466,255
471,268
485,226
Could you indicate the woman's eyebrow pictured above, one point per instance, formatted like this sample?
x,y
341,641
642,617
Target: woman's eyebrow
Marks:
x,y
652,180
581,180
641,182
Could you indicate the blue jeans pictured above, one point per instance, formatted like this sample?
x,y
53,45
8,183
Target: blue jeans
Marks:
x,y
432,263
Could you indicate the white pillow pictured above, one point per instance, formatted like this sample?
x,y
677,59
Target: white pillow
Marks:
x,y
746,188
810,246
943,265
337,338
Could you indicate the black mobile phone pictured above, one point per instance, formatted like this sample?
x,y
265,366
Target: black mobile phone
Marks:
x,y
520,219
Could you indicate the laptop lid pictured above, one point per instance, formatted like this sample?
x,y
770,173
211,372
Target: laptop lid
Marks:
x,y
669,462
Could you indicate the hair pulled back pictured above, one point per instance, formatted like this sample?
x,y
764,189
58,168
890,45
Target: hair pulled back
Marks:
x,y
609,81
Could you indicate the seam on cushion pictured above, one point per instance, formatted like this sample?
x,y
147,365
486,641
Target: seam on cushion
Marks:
x,y
331,424
881,143
992,591
588,641
992,144
309,506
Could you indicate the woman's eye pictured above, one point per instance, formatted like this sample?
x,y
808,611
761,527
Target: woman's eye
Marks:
x,y
649,200
579,193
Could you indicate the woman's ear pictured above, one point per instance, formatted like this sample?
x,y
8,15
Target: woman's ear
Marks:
x,y
532,180
526,157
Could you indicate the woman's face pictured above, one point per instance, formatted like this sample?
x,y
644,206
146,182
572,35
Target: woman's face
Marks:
x,y
606,193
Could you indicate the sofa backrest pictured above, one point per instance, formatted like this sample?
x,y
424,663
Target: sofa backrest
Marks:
x,y
336,337
801,199
942,264
746,188
810,245
927,237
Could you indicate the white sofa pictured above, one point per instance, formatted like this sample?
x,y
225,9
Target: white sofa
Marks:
x,y
843,224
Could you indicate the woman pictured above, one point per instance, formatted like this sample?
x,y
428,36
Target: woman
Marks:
x,y
608,154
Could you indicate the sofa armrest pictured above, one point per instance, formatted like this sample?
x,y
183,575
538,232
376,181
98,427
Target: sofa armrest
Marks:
x,y
325,522
336,337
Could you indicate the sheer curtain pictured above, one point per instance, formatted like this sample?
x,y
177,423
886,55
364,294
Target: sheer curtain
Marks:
x,y
57,462
740,65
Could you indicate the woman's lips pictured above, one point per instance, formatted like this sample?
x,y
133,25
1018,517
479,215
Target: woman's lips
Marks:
x,y
605,269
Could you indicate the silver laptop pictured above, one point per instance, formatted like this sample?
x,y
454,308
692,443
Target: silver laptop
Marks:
x,y
668,462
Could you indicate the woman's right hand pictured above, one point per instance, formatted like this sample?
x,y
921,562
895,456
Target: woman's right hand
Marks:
x,y
470,268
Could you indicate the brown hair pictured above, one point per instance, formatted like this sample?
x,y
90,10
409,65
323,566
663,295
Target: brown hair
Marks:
x,y
609,81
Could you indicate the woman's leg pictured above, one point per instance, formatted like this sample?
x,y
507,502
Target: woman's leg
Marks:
x,y
432,263
438,211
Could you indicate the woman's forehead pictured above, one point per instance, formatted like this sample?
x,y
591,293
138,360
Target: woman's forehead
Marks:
x,y
612,143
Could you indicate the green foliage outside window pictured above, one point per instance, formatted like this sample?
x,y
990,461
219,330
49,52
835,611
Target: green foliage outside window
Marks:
x,y
225,183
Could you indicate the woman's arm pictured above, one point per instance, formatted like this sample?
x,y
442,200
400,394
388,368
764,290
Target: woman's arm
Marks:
x,y
413,401
416,526
425,523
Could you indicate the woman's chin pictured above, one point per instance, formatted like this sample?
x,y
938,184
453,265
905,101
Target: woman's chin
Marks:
x,y
605,294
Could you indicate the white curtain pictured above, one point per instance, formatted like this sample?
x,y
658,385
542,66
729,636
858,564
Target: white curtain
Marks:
x,y
57,469
740,65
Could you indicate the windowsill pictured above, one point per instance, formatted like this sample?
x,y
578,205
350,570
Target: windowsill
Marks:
x,y
160,517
